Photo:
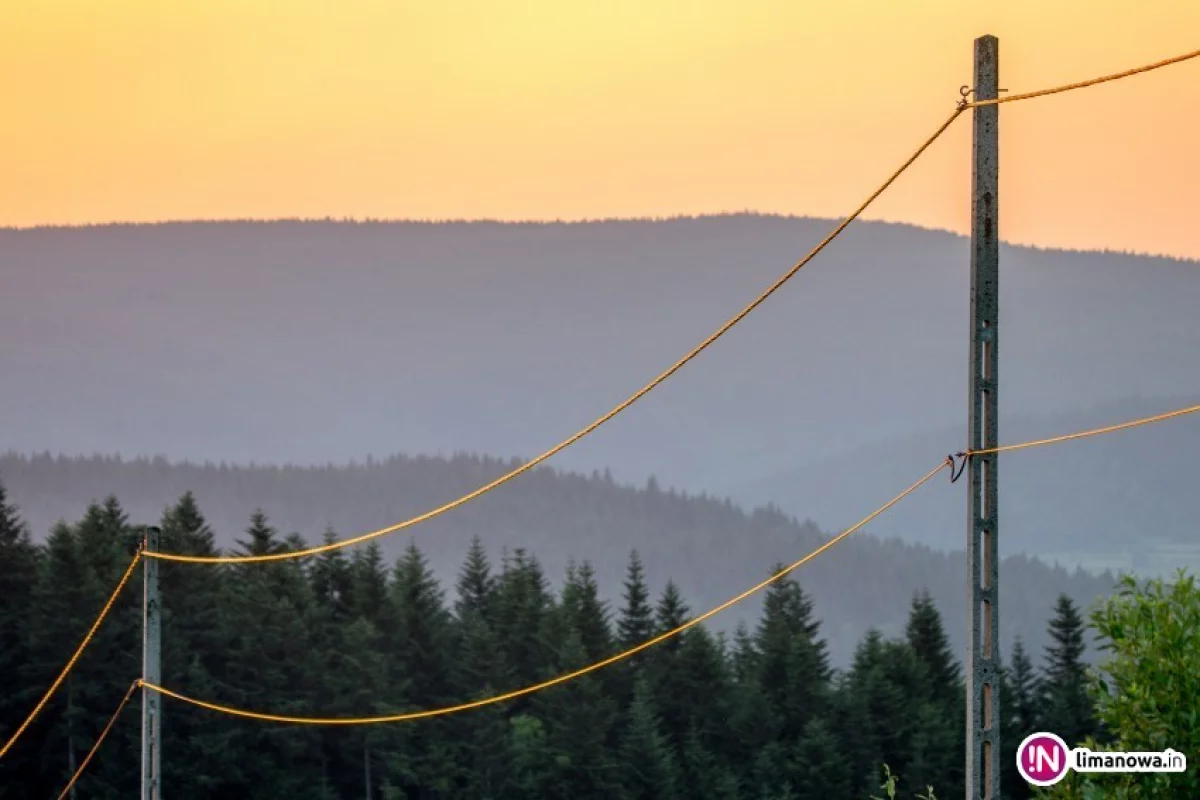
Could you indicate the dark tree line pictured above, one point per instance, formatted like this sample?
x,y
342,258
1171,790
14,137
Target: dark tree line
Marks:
x,y
759,714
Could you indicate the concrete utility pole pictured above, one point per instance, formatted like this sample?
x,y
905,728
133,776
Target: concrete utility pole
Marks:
x,y
151,672
983,642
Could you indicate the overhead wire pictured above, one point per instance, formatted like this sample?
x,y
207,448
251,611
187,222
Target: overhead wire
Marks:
x,y
99,741
1068,87
570,676
311,551
112,598
675,631
1179,412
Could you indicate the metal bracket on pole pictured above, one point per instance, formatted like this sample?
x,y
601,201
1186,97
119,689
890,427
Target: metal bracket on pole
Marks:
x,y
151,671
983,642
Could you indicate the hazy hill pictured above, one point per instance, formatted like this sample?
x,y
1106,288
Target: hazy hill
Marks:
x,y
1112,501
303,343
711,549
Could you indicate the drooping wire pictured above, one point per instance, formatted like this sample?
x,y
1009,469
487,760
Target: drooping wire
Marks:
x,y
570,676
598,422
947,463
78,652
99,740
692,354
1179,412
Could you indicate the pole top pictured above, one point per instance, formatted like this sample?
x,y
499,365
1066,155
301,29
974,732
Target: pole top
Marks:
x,y
151,535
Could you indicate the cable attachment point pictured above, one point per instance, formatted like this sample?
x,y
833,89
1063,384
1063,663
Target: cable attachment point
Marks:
x,y
954,476
964,92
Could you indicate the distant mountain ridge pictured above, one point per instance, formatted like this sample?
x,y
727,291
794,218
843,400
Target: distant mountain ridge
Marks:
x,y
311,342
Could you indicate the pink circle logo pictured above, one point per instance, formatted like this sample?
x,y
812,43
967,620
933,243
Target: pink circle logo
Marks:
x,y
1043,759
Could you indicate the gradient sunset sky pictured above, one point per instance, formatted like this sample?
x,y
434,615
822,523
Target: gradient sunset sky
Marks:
x,y
144,110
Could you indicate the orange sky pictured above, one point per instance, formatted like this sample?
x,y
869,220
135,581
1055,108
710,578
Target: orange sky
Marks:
x,y
145,110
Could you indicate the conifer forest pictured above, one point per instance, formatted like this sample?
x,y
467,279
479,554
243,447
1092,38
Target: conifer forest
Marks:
x,y
757,714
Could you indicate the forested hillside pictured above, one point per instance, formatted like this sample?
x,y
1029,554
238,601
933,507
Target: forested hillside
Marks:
x,y
712,549
759,714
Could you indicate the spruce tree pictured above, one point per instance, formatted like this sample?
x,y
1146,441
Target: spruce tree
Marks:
x,y
635,625
636,622
817,767
586,613
106,543
1024,689
358,680
647,761
670,613
878,710
792,666
523,603
420,660
185,530
749,731
263,539
851,724
743,655
485,747
664,671
18,583
370,597
423,634
943,691
579,717
704,773
1068,708
1020,712
63,610
915,722
332,581
476,585
927,638
346,655
271,661
532,760
479,668
191,654
702,677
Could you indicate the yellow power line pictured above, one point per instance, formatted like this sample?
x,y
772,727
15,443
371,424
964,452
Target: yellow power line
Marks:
x,y
1084,84
438,712
676,631
75,657
681,362
428,515
1179,412
99,740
